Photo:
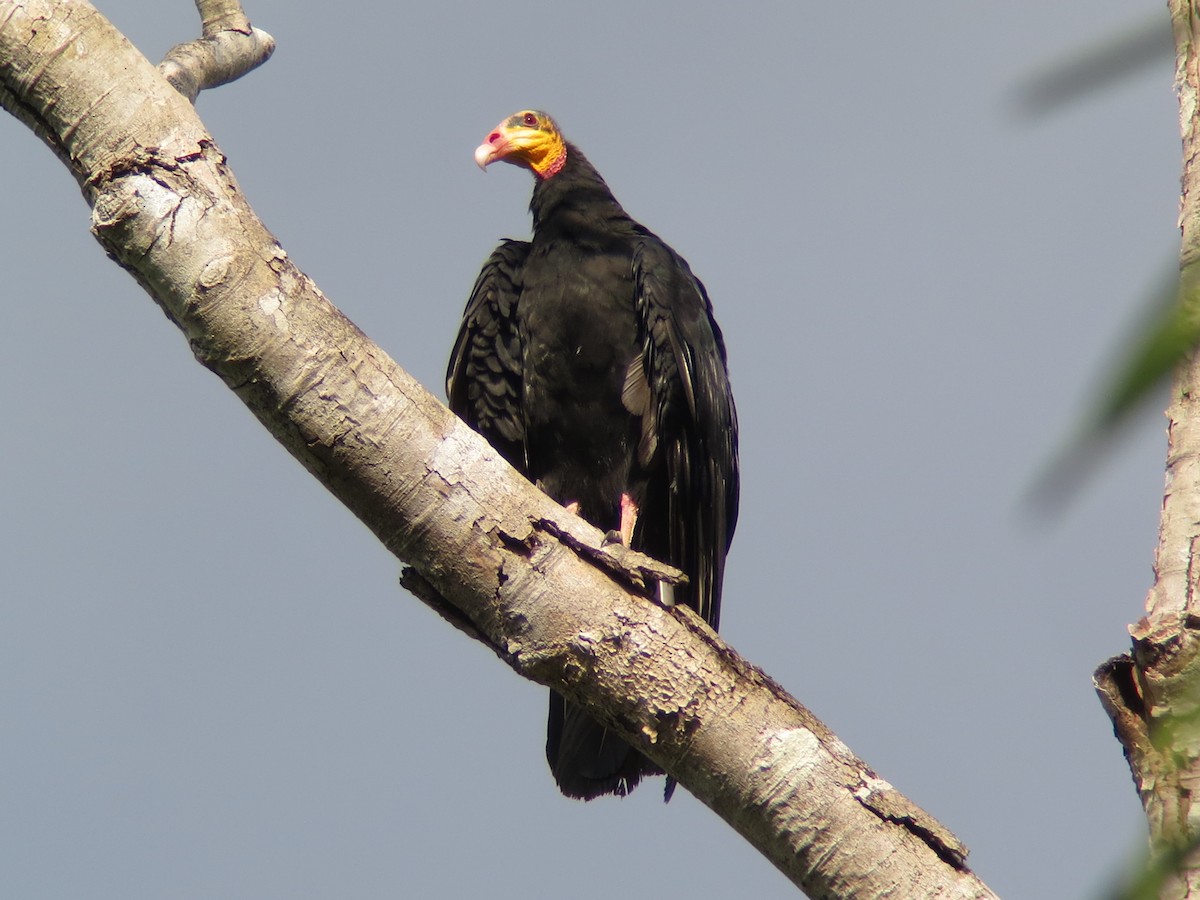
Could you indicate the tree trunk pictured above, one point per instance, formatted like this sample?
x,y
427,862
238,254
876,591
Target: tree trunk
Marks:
x,y
491,553
1152,694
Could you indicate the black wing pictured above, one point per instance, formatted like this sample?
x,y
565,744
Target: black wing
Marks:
x,y
680,386
483,381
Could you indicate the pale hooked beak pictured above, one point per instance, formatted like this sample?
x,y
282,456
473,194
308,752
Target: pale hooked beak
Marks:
x,y
494,148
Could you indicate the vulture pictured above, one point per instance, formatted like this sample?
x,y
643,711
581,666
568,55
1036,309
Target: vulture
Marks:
x,y
589,358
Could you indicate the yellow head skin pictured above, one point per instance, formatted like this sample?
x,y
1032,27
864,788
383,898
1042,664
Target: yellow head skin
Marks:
x,y
528,138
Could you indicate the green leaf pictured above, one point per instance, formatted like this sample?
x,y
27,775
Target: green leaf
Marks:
x,y
1167,335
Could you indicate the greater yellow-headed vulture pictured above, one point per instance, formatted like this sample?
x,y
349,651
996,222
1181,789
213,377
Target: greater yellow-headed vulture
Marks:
x,y
590,359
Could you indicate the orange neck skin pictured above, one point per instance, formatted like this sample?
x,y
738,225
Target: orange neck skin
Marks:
x,y
544,170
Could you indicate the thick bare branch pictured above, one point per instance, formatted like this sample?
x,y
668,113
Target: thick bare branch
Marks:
x,y
230,48
532,581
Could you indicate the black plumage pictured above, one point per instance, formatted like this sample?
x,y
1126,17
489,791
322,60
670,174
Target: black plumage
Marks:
x,y
590,359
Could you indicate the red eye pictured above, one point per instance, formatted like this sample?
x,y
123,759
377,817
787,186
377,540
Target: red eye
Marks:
x,y
530,119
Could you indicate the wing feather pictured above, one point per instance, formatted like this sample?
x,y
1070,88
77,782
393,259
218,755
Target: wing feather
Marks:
x,y
483,380
689,419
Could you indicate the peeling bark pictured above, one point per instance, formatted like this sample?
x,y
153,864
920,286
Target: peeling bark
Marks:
x,y
492,554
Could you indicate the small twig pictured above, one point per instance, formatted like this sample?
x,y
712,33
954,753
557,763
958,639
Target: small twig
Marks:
x,y
230,48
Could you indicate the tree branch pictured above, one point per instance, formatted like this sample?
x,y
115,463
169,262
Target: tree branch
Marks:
x,y
230,48
531,580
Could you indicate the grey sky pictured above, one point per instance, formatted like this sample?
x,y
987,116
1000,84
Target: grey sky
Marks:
x,y
210,683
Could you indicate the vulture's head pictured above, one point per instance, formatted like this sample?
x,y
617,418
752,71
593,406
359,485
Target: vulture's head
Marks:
x,y
529,138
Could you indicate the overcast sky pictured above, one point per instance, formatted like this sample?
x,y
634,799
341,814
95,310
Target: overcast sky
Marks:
x,y
211,684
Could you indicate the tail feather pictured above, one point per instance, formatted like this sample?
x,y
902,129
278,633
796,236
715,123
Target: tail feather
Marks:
x,y
587,759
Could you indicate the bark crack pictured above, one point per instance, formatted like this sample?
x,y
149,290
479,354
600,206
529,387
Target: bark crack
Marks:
x,y
886,802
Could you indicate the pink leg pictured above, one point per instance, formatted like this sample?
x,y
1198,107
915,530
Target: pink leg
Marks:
x,y
572,507
629,514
